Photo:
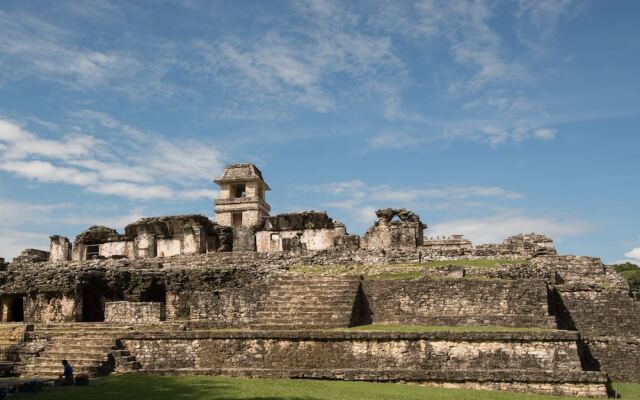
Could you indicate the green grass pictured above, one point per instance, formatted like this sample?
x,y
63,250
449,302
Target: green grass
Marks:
x,y
433,328
482,262
141,387
390,276
627,390
398,271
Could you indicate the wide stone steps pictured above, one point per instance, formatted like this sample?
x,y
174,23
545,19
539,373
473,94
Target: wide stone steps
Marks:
x,y
89,348
307,304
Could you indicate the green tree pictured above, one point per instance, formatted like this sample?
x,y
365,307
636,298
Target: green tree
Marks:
x,y
631,273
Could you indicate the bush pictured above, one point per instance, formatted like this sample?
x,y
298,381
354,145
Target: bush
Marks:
x,y
631,273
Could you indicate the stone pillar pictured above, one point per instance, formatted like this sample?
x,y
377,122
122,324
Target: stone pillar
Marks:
x,y
146,245
59,248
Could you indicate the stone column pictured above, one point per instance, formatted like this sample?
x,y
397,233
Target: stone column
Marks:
x,y
59,248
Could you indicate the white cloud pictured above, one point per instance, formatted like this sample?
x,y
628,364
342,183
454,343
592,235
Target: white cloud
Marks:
x,y
545,133
538,20
130,163
12,242
43,171
633,254
494,229
359,190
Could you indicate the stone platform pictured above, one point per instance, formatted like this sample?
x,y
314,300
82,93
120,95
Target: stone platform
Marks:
x,y
541,362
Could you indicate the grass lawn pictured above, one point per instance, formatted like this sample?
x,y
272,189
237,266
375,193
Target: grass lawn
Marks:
x,y
433,328
398,271
141,387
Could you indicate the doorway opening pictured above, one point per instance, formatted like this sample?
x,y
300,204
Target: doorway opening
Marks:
x,y
17,309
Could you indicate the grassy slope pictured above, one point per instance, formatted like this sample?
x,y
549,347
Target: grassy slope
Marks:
x,y
139,387
398,271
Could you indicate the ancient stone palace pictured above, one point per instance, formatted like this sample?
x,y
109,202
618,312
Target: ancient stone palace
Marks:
x,y
297,296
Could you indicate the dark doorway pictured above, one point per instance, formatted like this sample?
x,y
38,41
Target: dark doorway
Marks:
x,y
17,309
155,292
92,306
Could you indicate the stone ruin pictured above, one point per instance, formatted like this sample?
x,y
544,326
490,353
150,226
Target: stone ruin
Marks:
x,y
186,295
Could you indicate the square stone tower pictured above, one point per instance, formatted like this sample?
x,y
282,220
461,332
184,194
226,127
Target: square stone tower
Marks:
x,y
242,196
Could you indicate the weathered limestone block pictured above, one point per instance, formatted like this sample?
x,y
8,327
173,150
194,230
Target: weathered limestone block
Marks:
x,y
454,246
32,255
117,249
244,239
387,233
146,245
52,307
522,245
59,249
169,247
309,230
462,301
137,313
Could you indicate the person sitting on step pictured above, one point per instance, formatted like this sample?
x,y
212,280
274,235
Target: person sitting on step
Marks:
x,y
67,376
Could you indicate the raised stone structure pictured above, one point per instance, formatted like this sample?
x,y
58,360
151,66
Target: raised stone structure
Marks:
x,y
242,196
275,296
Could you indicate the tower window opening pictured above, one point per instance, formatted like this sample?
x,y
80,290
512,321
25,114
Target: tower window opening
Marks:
x,y
237,219
240,191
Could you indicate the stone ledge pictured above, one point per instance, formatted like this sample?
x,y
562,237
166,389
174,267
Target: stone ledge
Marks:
x,y
391,375
556,336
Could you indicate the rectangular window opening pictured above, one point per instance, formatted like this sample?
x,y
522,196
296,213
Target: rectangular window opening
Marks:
x,y
93,251
240,191
237,219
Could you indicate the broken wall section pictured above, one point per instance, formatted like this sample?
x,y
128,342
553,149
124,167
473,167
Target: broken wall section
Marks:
x,y
394,229
309,230
59,248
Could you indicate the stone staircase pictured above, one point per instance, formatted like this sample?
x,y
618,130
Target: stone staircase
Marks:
x,y
11,336
308,304
91,348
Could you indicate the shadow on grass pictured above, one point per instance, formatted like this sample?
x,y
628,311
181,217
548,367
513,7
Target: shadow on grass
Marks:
x,y
145,387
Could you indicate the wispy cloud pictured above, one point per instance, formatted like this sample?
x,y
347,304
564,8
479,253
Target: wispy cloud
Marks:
x,y
495,228
136,165
537,21
26,224
33,48
633,254
359,200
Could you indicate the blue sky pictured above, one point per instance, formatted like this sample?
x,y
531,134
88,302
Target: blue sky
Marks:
x,y
487,118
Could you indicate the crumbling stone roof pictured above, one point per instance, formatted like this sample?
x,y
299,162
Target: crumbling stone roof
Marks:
x,y
98,234
299,221
169,225
241,172
387,214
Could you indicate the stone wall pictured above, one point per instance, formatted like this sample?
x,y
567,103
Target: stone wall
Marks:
x,y
434,357
618,356
447,247
394,229
52,307
353,350
127,312
459,302
244,239
31,256
296,240
115,249
602,313
225,307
